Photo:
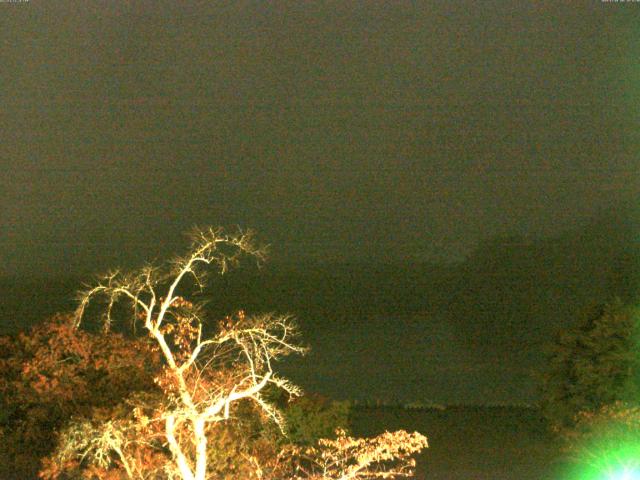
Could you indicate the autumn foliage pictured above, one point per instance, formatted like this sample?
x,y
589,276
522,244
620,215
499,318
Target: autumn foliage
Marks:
x,y
54,372
181,397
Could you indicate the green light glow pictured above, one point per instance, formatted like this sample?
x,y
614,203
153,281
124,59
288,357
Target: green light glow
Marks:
x,y
606,442
619,463
627,474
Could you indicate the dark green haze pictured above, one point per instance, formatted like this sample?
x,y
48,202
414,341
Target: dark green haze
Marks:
x,y
386,130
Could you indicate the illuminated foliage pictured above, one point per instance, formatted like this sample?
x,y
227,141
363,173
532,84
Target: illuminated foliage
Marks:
x,y
385,456
207,416
55,371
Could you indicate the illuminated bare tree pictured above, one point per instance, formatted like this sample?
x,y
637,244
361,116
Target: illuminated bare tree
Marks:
x,y
207,371
204,374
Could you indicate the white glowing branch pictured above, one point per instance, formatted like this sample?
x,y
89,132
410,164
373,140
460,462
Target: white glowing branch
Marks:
x,y
207,372
202,397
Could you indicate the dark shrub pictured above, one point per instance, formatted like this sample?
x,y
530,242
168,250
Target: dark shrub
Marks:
x,y
591,365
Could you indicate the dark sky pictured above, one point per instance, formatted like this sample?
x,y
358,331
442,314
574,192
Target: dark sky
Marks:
x,y
363,129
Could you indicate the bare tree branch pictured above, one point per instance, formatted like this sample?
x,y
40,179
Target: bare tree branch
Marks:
x,y
206,375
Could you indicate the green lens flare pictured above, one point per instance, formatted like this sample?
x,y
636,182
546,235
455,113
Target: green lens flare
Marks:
x,y
614,463
626,474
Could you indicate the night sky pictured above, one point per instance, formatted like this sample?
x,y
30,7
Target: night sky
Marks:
x,y
383,133
385,130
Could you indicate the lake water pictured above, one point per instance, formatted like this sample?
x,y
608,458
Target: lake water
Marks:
x,y
408,359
